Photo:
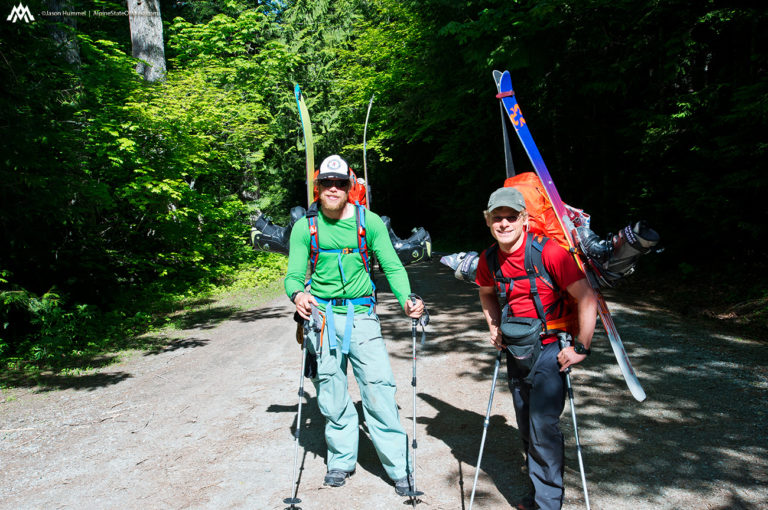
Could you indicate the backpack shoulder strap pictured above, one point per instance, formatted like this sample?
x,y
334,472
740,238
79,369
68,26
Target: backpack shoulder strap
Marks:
x,y
532,269
536,270
534,259
362,241
503,283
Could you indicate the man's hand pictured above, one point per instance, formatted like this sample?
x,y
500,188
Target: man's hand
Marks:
x,y
496,338
304,302
414,310
568,357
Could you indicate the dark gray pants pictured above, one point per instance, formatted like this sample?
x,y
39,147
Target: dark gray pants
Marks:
x,y
537,408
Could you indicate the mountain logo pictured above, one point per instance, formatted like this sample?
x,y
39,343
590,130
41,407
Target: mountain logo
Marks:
x,y
20,12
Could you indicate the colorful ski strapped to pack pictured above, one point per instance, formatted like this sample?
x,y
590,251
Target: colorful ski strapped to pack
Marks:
x,y
564,319
511,107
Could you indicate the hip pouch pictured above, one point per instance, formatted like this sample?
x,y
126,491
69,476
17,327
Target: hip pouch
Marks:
x,y
522,337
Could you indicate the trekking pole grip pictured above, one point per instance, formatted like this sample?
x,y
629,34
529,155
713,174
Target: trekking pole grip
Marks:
x,y
564,342
414,322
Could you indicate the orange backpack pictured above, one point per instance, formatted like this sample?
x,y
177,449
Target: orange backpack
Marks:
x,y
542,221
542,218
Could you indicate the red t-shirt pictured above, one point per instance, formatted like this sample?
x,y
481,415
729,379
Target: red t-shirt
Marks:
x,y
559,263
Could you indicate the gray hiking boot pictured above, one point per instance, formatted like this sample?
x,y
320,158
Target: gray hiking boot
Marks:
x,y
336,477
404,486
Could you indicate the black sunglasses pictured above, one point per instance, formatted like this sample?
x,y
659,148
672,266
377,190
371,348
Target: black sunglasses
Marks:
x,y
330,183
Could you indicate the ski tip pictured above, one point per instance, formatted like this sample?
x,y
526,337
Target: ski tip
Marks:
x,y
297,91
497,78
635,389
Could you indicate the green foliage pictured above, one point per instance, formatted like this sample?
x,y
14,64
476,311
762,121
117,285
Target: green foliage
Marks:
x,y
127,194
117,194
266,268
640,110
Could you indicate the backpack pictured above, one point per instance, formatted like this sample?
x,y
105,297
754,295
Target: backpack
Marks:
x,y
356,196
561,309
314,240
543,225
542,218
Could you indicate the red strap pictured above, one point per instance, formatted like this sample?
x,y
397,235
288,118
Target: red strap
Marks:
x,y
508,93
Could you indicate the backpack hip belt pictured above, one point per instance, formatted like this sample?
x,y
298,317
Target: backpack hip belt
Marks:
x,y
350,303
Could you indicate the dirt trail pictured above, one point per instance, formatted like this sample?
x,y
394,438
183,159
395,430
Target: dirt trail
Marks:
x,y
206,422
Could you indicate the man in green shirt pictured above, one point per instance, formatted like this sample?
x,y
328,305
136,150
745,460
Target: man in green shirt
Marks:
x,y
342,290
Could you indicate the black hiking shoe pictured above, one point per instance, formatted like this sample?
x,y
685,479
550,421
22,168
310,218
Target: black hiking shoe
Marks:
x,y
404,486
336,477
527,502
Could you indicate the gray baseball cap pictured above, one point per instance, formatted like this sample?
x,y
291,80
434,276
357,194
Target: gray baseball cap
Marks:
x,y
506,197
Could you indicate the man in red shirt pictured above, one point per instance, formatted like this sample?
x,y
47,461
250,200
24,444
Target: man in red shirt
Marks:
x,y
568,305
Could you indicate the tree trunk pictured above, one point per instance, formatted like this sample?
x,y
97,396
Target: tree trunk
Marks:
x,y
147,38
68,46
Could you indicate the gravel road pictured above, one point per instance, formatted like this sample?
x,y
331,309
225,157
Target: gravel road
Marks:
x,y
206,420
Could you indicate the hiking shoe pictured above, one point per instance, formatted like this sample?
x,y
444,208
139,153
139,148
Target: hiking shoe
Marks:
x,y
404,486
527,502
336,477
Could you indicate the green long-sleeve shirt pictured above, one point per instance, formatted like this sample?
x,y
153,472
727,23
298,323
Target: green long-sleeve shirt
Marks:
x,y
327,281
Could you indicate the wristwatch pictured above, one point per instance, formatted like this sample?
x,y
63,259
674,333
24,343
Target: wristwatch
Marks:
x,y
579,348
293,296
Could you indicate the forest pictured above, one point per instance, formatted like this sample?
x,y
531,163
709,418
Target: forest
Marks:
x,y
127,186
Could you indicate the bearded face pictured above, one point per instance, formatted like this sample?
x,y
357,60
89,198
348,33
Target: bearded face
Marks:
x,y
333,198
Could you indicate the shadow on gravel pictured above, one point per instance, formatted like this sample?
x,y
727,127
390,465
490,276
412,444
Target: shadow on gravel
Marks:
x,y
46,382
704,425
312,437
462,430
205,318
201,319
175,345
273,312
456,321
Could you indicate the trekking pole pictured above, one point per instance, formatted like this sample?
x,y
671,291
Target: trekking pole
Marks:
x,y
293,501
485,427
413,493
563,345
